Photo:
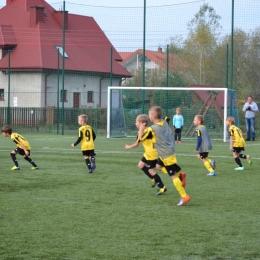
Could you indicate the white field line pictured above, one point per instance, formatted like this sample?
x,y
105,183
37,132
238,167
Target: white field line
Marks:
x,y
75,150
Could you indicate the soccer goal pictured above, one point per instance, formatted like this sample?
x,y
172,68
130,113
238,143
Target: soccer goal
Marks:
x,y
215,104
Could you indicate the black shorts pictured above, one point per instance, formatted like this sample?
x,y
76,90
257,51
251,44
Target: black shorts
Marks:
x,y
88,153
203,155
171,169
21,151
151,164
238,149
177,130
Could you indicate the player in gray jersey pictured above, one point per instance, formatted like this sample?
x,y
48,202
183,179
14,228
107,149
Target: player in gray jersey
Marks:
x,y
204,145
164,143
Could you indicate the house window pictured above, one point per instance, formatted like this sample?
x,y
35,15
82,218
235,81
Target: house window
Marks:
x,y
63,96
90,96
2,94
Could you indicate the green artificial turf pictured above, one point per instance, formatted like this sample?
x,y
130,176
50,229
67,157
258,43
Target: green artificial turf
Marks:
x,y
63,212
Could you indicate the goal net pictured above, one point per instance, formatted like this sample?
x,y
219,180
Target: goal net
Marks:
x,y
215,104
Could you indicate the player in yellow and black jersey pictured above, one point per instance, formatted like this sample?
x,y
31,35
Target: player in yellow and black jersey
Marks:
x,y
163,141
148,162
237,143
23,147
86,136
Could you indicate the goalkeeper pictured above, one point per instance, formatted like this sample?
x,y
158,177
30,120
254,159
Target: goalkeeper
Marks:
x,y
177,122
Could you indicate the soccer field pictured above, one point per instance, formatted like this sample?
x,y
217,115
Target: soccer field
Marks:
x,y
63,212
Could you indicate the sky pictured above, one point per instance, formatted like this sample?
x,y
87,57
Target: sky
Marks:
x,y
165,19
116,3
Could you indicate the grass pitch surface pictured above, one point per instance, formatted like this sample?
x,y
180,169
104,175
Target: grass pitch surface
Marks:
x,y
63,212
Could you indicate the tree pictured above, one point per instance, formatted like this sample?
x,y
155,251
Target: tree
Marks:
x,y
201,43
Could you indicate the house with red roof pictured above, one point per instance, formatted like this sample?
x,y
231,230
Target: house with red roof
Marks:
x,y
31,48
133,61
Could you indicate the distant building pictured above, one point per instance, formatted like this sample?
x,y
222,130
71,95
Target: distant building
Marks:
x,y
133,61
31,32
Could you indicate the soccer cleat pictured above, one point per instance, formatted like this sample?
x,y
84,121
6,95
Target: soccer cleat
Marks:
x,y
211,174
90,171
153,183
14,168
93,167
213,164
161,191
183,179
35,168
179,141
239,168
248,158
184,200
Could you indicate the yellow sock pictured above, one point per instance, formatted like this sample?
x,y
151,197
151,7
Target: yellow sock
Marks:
x,y
208,159
208,166
178,185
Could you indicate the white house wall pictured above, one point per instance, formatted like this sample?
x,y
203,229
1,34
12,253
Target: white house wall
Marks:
x,y
79,84
25,89
135,64
37,89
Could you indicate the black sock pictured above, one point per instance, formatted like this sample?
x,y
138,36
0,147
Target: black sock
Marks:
x,y
158,181
146,171
238,162
30,161
88,163
243,156
14,159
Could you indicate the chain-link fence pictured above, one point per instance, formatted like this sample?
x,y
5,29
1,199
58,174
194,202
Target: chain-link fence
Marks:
x,y
55,64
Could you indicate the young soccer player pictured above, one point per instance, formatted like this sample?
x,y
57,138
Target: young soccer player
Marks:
x,y
163,140
148,162
204,145
237,143
86,137
177,122
23,148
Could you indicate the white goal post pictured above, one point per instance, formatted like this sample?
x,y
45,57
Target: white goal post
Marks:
x,y
213,102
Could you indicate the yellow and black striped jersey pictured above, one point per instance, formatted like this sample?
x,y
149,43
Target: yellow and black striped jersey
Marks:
x,y
86,137
150,152
238,138
17,139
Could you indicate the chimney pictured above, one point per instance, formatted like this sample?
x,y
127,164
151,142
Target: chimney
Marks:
x,y
59,18
9,2
160,49
36,15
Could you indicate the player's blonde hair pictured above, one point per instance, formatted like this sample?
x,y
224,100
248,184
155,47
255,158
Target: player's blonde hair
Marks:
x,y
142,118
231,119
200,118
84,118
156,111
178,108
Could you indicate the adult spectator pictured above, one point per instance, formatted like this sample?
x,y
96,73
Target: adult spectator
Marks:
x,y
250,107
